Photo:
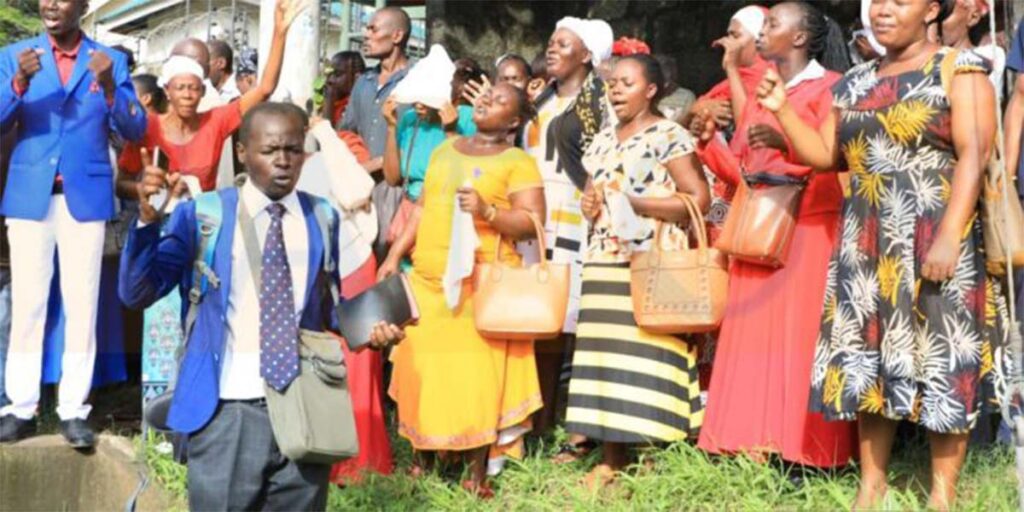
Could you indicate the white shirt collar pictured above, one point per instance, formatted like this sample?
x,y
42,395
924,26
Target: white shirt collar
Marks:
x,y
813,71
257,202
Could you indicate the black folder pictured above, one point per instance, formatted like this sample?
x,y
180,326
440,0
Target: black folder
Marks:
x,y
390,301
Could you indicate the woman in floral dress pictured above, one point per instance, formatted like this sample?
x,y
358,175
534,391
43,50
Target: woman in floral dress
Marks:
x,y
912,327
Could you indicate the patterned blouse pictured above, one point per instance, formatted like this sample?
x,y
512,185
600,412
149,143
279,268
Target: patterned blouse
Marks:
x,y
635,166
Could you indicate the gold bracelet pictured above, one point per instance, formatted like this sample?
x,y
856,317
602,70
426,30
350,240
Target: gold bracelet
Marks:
x,y
491,213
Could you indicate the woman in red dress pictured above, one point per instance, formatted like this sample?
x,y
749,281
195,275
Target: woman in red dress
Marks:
x,y
757,402
191,141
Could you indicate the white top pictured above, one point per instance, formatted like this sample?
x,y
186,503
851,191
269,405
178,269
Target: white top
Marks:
x,y
998,57
812,71
240,376
229,92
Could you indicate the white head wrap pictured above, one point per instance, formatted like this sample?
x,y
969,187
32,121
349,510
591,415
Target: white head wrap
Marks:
x,y
751,18
179,65
865,19
596,35
429,81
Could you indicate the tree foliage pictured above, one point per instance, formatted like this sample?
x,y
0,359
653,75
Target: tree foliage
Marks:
x,y
18,19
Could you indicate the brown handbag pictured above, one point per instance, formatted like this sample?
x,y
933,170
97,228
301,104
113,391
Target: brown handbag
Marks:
x,y
521,303
1002,220
676,292
762,218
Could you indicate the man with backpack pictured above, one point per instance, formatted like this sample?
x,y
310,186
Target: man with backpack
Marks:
x,y
254,263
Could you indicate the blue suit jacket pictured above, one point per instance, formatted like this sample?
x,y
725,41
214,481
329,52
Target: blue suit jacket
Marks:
x,y
64,129
153,264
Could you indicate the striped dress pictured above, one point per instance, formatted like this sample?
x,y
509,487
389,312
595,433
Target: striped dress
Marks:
x,y
628,385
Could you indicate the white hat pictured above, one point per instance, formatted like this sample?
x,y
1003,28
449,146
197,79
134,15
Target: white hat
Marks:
x,y
179,65
596,35
865,19
751,18
429,81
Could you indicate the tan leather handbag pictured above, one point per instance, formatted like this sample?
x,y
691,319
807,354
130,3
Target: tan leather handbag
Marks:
x,y
762,218
521,303
1002,220
676,292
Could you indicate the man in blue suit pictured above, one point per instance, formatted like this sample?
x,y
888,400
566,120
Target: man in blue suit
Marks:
x,y
244,334
64,94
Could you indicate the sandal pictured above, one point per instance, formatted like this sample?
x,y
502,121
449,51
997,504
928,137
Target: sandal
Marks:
x,y
482,491
569,453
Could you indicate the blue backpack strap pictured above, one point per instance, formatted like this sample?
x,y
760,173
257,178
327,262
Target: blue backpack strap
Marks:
x,y
326,220
209,217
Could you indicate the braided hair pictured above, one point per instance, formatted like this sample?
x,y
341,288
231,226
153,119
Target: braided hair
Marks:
x,y
825,39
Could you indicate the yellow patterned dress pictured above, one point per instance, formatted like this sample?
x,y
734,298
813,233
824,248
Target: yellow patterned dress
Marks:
x,y
456,390
891,342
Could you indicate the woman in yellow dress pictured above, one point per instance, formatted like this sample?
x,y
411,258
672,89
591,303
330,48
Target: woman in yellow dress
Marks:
x,y
456,390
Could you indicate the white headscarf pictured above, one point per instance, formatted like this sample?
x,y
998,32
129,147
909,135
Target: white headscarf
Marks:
x,y
429,81
596,35
178,65
751,18
865,19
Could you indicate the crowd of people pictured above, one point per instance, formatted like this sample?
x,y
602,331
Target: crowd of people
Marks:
x,y
880,311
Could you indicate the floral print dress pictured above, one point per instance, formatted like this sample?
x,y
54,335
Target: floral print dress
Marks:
x,y
891,342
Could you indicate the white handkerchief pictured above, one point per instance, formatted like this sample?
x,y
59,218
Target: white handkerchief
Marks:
x,y
626,224
461,255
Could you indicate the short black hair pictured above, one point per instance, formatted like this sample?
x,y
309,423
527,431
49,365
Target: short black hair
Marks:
x,y
147,84
539,66
270,108
518,60
355,59
220,48
404,23
128,55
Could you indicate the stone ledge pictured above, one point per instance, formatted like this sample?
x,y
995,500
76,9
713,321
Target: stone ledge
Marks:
x,y
43,473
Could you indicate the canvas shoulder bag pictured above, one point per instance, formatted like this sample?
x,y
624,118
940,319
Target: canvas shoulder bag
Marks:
x,y
1002,217
684,291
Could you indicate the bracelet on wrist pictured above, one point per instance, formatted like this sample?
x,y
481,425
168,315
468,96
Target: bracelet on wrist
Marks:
x,y
491,213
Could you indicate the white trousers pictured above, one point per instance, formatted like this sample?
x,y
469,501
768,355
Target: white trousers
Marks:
x,y
79,247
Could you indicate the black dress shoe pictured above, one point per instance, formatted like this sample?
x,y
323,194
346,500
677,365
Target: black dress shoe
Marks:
x,y
78,434
13,428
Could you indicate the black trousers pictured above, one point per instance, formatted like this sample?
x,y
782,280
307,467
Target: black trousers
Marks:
x,y
234,464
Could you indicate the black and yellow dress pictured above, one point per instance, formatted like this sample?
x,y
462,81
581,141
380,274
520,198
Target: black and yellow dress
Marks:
x,y
628,385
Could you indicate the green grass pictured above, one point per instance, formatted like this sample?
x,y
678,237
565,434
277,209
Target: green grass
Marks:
x,y
678,477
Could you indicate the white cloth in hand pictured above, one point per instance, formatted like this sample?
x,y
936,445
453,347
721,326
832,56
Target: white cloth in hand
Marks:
x,y
461,255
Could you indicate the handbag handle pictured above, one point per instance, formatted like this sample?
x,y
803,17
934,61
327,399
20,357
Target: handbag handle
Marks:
x,y
542,243
697,225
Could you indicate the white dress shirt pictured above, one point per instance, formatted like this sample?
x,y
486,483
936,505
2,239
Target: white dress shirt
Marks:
x,y
240,376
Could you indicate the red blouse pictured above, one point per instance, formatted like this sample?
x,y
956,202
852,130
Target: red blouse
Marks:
x,y
198,157
812,101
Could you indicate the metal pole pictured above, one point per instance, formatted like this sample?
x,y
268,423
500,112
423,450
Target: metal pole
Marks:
x,y
209,18
234,35
188,9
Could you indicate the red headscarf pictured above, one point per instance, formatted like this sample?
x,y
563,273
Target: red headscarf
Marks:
x,y
628,46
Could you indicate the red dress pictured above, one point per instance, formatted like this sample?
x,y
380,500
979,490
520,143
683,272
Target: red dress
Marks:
x,y
199,157
761,382
365,383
